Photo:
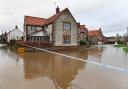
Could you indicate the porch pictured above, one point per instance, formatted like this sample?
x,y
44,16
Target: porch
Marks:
x,y
38,38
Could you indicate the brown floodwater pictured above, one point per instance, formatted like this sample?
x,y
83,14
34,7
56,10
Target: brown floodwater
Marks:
x,y
42,70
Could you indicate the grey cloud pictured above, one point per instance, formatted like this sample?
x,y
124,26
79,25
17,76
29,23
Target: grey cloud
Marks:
x,y
108,14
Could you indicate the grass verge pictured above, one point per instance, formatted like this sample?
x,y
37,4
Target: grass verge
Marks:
x,y
125,47
120,45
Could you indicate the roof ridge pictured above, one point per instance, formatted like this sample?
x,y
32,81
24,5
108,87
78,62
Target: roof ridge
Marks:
x,y
94,30
55,16
46,21
35,17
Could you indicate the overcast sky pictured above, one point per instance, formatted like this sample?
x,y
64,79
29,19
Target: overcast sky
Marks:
x,y
110,15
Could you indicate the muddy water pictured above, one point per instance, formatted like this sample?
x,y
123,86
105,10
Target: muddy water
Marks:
x,y
41,70
103,54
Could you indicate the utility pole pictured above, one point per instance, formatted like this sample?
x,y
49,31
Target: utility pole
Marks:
x,y
127,35
127,31
2,32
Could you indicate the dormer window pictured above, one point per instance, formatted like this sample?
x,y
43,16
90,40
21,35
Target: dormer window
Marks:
x,y
66,26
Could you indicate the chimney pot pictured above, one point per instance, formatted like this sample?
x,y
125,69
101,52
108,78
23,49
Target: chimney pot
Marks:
x,y
57,10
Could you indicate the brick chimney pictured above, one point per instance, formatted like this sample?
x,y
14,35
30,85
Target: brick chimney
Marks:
x,y
99,28
16,27
57,10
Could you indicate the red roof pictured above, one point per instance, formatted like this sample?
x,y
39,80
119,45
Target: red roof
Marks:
x,y
30,20
34,20
97,33
94,32
55,16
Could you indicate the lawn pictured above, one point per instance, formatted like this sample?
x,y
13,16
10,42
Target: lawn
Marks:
x,y
125,49
120,45
124,46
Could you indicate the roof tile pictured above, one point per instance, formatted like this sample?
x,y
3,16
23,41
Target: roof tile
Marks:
x,y
30,20
96,33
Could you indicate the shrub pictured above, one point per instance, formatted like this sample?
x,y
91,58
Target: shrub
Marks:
x,y
83,42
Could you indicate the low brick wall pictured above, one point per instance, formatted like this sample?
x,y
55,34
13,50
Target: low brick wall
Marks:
x,y
65,47
48,46
34,44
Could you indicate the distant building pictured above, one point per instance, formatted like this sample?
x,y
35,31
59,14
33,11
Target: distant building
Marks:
x,y
114,39
82,33
3,37
15,34
111,40
61,29
96,37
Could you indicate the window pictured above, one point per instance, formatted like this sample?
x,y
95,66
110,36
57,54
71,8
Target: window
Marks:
x,y
17,37
66,26
33,28
46,27
67,39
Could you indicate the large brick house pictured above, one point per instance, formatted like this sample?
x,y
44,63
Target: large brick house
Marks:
x,y
60,29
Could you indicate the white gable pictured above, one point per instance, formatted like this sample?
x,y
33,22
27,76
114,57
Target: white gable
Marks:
x,y
15,34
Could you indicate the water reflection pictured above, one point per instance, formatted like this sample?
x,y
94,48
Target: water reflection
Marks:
x,y
10,52
37,70
60,70
95,54
105,55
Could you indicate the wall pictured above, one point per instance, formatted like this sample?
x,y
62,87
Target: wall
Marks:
x,y
41,33
49,30
94,40
31,31
15,34
59,30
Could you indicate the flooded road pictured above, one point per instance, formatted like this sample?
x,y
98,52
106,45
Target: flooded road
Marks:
x,y
103,54
42,70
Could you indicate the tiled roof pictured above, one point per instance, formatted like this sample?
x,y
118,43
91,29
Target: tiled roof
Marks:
x,y
55,16
30,20
96,33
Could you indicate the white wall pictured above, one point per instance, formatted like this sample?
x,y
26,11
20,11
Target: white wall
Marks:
x,y
39,28
29,30
41,33
49,30
15,34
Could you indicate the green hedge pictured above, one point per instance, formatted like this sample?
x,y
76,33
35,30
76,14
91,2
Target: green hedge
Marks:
x,y
83,42
120,45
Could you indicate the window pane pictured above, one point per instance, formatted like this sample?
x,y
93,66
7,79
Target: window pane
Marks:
x,y
67,40
67,26
33,28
